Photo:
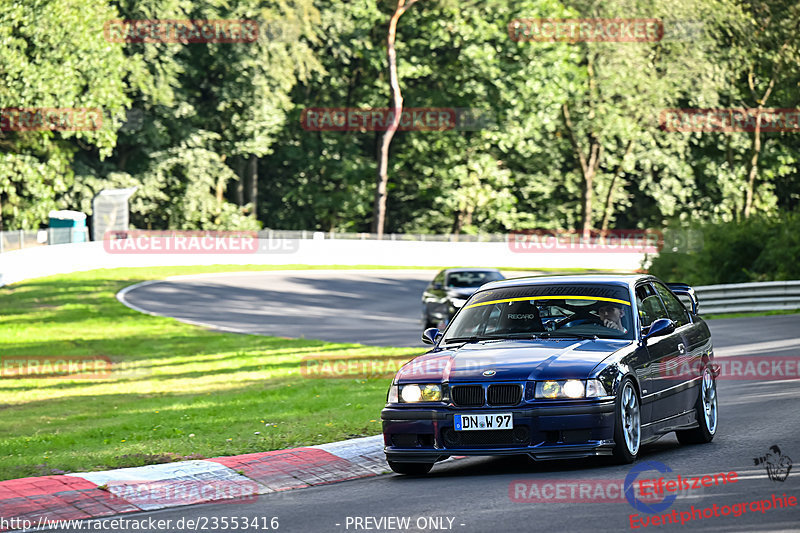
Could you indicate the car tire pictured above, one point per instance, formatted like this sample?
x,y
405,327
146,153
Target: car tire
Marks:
x,y
627,423
411,469
706,408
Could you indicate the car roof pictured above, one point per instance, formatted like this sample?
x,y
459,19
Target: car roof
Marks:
x,y
626,280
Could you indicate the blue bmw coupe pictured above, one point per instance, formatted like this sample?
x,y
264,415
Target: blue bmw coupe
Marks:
x,y
556,367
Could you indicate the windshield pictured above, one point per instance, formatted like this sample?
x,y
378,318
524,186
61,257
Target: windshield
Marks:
x,y
545,310
471,279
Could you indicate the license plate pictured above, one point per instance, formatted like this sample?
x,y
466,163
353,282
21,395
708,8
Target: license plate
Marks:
x,y
484,422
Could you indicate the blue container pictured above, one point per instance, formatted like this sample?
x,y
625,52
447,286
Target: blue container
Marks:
x,y
66,227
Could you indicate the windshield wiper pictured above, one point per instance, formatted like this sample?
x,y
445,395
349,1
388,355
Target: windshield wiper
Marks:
x,y
507,336
473,339
563,334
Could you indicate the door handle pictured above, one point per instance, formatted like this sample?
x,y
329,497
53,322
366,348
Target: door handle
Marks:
x,y
681,348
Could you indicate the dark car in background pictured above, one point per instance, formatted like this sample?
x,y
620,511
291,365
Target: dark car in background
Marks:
x,y
449,290
556,367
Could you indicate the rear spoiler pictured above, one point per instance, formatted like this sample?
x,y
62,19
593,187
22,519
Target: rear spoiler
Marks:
x,y
682,289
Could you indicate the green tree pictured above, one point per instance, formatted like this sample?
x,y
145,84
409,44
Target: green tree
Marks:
x,y
52,55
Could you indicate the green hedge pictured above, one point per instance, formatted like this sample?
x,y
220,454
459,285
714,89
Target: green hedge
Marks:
x,y
756,249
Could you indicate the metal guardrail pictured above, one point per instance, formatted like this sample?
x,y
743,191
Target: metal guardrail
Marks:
x,y
748,297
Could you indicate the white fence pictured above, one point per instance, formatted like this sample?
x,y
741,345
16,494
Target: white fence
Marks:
x,y
30,263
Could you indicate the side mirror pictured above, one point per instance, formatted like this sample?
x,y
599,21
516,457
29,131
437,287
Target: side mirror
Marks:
x,y
429,335
437,286
659,328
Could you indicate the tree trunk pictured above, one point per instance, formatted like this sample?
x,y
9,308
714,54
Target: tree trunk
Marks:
x,y
752,165
240,163
608,208
220,192
379,208
463,218
252,171
589,168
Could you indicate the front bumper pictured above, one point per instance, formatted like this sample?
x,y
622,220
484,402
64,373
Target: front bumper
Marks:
x,y
563,431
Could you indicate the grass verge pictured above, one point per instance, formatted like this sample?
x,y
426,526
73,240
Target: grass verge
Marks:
x,y
176,391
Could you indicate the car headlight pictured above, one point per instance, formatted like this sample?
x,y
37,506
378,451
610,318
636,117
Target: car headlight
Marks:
x,y
571,388
458,303
574,389
392,396
420,393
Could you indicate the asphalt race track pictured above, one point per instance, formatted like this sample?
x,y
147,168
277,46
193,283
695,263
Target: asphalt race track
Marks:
x,y
375,307
476,493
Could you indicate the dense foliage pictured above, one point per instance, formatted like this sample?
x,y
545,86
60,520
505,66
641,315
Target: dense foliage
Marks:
x,y
210,133
757,249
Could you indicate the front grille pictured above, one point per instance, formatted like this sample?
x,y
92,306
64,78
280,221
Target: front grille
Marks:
x,y
504,394
468,395
519,436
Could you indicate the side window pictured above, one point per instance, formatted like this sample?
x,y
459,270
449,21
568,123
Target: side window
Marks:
x,y
675,308
649,304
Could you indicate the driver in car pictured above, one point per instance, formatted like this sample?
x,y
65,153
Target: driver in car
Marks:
x,y
611,315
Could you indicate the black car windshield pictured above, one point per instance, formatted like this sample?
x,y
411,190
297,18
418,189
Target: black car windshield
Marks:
x,y
471,278
568,310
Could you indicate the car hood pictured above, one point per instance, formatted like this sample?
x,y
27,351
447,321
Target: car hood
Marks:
x,y
512,360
